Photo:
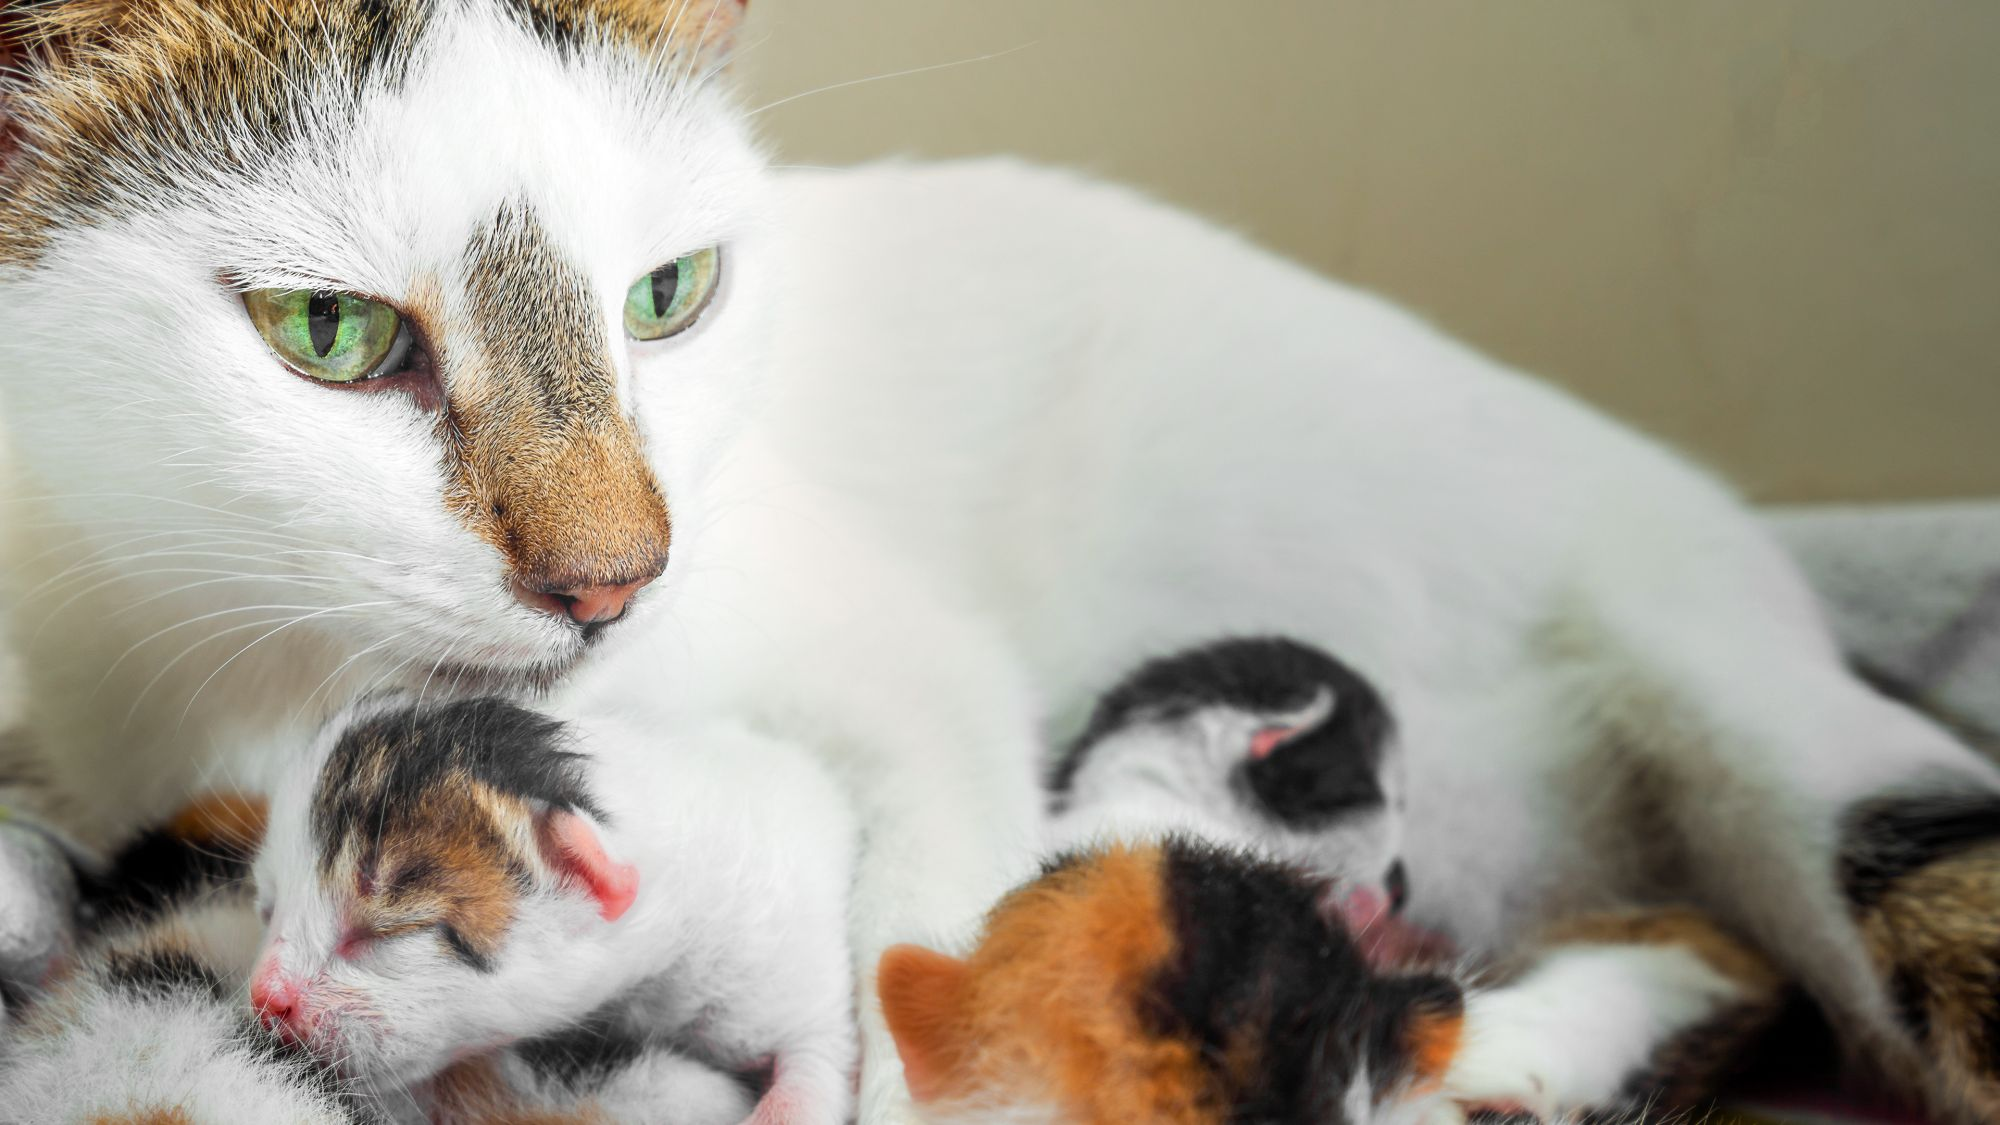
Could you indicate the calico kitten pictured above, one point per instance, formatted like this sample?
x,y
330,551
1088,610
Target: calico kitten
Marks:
x,y
1188,984
1265,742
445,879
152,1022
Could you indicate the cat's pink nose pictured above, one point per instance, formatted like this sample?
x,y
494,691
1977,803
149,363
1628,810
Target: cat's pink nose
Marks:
x,y
585,605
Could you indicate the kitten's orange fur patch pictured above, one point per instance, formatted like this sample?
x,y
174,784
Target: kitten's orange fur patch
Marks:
x,y
230,823
1048,1009
1432,1040
474,1093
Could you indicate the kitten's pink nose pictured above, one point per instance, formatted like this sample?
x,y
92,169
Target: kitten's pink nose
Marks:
x,y
275,997
585,605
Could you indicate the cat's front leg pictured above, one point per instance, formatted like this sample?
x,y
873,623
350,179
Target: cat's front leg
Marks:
x,y
930,868
1622,1011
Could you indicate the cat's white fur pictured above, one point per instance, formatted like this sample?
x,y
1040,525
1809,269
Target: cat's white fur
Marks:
x,y
1021,431
1570,1035
744,852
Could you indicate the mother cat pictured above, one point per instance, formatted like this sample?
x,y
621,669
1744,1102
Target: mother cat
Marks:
x,y
345,342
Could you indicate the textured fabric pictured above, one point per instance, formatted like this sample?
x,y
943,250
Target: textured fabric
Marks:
x,y
1914,592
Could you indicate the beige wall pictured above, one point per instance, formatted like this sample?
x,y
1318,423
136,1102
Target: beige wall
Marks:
x,y
1767,230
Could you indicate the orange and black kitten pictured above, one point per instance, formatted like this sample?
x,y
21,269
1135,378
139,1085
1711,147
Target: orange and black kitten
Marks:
x,y
1179,983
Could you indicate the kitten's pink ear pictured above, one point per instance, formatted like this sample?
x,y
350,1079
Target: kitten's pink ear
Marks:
x,y
571,845
924,995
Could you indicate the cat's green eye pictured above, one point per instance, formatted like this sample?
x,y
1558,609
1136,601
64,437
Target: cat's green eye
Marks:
x,y
672,297
333,337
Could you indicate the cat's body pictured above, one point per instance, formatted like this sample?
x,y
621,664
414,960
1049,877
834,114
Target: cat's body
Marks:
x,y
1020,431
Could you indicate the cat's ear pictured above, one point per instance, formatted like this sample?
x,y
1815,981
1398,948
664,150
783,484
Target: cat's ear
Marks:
x,y
713,25
1416,1024
924,995
571,845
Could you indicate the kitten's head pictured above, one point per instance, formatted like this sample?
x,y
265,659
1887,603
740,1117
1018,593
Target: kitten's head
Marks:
x,y
1177,983
432,877
1264,742
422,321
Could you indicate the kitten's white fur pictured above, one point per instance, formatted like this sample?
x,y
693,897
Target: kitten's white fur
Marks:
x,y
744,851
1023,430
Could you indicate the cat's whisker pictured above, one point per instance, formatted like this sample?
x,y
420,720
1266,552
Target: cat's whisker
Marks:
x,y
767,106
204,549
153,572
220,668
299,713
157,634
140,699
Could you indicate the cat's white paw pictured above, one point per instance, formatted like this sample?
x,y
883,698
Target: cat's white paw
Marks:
x,y
1500,1079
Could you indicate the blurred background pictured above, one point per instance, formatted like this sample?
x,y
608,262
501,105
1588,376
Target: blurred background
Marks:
x,y
1768,232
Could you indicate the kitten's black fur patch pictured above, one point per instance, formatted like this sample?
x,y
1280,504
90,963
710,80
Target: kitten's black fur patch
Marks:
x,y
156,871
388,761
1397,1003
1310,780
581,1057
1260,980
1887,839
161,972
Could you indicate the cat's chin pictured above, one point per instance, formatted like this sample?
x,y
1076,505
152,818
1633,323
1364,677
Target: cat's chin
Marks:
x,y
501,679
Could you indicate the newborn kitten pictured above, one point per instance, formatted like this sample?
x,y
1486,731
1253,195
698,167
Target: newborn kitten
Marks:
x,y
1181,983
1261,742
446,879
152,1022
1178,983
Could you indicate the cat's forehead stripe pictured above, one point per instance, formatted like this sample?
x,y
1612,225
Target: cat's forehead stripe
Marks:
x,y
547,468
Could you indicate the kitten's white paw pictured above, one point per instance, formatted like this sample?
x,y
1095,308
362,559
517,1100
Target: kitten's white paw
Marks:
x,y
37,905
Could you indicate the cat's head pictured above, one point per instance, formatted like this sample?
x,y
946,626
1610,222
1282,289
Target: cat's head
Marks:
x,y
434,879
421,321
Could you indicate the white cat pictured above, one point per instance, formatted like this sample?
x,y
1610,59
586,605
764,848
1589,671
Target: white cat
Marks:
x,y
346,343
